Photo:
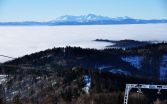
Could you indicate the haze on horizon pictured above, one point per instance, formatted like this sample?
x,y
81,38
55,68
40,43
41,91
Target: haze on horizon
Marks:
x,y
46,10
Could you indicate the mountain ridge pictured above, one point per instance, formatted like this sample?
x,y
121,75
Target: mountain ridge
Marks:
x,y
90,19
113,60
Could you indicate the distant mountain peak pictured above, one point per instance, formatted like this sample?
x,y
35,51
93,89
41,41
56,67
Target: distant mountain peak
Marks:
x,y
82,18
125,17
89,19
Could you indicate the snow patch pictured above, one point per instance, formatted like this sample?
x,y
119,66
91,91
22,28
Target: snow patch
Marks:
x,y
114,70
47,56
120,71
163,68
133,60
104,67
87,81
2,78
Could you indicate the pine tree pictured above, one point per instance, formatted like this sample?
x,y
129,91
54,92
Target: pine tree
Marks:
x,y
16,100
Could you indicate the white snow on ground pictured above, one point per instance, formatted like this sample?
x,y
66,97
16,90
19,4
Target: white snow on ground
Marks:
x,y
120,71
87,81
2,78
104,67
163,68
133,60
114,70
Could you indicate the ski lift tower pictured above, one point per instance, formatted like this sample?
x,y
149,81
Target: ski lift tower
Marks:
x,y
142,86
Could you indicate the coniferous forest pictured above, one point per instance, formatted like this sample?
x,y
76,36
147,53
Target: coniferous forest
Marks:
x,y
73,75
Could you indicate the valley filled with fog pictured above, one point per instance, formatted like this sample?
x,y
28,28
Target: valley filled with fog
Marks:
x,y
16,41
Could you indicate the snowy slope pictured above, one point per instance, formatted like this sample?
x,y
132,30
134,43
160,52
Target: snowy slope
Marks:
x,y
2,78
133,60
87,81
163,68
120,71
114,70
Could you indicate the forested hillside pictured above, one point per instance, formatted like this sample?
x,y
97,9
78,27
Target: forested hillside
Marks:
x,y
73,75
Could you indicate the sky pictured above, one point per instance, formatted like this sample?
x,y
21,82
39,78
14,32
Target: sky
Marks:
x,y
46,10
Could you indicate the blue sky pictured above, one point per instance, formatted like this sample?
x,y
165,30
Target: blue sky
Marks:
x,y
44,10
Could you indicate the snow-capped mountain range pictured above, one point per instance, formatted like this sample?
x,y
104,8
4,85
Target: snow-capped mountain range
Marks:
x,y
90,19
82,18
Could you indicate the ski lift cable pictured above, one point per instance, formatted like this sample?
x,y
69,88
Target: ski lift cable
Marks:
x,y
23,66
7,56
